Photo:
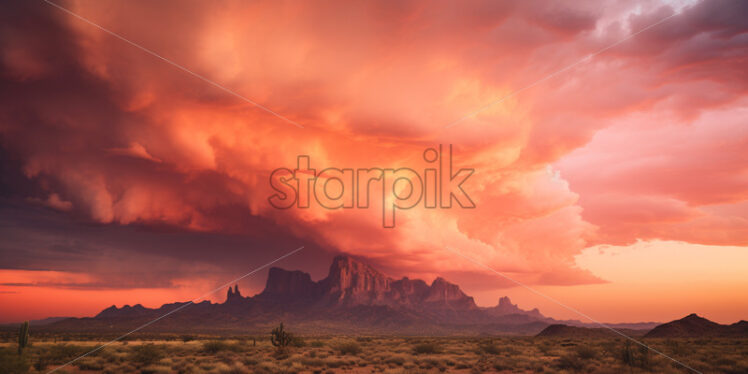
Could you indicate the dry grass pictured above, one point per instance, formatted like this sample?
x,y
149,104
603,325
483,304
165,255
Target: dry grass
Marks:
x,y
381,355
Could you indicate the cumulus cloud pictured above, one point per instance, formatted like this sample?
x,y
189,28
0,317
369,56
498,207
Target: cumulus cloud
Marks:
x,y
120,137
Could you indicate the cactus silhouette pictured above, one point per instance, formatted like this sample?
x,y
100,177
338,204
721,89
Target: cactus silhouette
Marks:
x,y
23,337
280,338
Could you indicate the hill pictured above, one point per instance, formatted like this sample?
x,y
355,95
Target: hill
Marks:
x,y
694,326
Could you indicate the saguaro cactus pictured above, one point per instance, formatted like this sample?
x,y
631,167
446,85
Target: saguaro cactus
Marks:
x,y
280,338
23,337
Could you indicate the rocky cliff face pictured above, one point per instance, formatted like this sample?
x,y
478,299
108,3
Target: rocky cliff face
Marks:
x,y
353,296
445,294
409,292
233,296
289,285
351,283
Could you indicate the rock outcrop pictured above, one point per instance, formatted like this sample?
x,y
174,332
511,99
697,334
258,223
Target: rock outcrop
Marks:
x,y
353,296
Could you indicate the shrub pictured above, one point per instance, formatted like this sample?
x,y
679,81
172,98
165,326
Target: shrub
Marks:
x,y
154,370
570,362
187,338
349,348
88,363
145,354
426,348
489,348
398,360
60,354
297,341
586,352
215,346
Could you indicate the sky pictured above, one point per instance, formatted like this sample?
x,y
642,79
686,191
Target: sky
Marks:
x,y
611,170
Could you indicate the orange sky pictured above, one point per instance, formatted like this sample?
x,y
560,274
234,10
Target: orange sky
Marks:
x,y
619,186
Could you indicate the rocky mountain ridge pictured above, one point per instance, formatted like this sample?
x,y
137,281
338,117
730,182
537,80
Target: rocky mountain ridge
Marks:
x,y
354,297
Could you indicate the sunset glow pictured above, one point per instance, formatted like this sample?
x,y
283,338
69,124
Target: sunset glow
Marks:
x,y
617,185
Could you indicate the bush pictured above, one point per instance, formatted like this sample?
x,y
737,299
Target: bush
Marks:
x,y
187,338
489,348
13,363
349,348
88,363
586,352
426,348
146,354
215,346
297,341
570,362
62,353
398,360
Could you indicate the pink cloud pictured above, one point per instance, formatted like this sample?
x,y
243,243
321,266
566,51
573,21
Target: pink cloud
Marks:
x,y
375,86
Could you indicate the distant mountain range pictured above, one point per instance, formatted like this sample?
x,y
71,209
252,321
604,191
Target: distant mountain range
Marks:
x,y
564,331
691,326
353,298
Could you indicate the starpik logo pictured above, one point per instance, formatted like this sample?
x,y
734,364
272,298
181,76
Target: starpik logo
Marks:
x,y
402,188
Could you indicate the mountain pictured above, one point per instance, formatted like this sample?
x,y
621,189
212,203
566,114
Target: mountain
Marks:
x,y
691,326
505,307
353,298
694,326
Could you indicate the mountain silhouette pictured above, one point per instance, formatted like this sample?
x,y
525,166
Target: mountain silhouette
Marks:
x,y
694,326
354,297
691,326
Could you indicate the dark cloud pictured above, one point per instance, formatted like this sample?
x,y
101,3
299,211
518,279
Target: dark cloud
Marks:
x,y
135,256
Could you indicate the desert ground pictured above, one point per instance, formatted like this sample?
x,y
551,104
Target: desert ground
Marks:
x,y
340,354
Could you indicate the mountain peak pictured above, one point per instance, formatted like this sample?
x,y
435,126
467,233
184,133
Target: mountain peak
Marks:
x,y
441,282
345,269
505,307
444,292
233,294
694,325
289,284
342,257
353,282
505,302
341,262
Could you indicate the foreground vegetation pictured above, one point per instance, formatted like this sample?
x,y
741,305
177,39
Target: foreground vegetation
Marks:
x,y
204,354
